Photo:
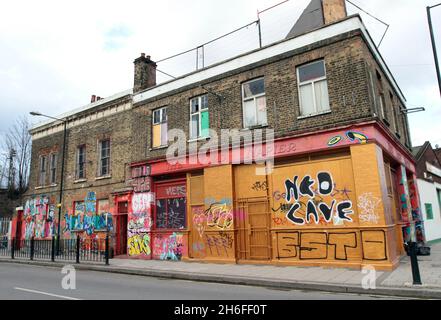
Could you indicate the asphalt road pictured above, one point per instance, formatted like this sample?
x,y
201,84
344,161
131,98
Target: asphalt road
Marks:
x,y
25,282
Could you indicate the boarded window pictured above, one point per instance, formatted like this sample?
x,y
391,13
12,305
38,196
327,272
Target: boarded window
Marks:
x,y
159,129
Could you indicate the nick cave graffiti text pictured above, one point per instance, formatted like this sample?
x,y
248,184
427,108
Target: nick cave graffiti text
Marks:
x,y
297,188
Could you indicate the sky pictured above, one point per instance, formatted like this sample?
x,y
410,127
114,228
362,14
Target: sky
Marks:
x,y
55,54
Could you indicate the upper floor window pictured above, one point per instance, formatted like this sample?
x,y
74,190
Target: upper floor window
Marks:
x,y
53,168
199,117
104,163
313,88
42,171
81,163
159,127
254,103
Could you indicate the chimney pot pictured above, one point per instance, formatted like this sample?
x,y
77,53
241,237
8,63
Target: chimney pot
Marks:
x,y
93,98
143,55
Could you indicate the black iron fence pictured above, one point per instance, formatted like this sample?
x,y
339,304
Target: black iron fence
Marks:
x,y
78,250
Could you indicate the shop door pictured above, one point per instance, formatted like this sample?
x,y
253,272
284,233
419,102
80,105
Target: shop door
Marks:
x,y
254,234
121,229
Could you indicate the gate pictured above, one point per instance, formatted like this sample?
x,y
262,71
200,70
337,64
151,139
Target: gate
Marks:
x,y
253,221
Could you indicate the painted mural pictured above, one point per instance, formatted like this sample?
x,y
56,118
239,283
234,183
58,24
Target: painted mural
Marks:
x,y
139,226
88,216
168,246
38,218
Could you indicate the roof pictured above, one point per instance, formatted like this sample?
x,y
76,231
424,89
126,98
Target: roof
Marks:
x,y
419,151
312,18
88,107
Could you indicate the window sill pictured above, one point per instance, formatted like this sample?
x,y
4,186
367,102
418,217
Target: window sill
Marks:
x,y
103,177
53,185
158,148
40,187
314,115
262,126
198,139
80,181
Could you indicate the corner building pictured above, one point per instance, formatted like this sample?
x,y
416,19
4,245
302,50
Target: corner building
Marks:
x,y
342,192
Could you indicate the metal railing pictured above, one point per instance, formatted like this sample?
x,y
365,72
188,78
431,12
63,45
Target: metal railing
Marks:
x,y
78,250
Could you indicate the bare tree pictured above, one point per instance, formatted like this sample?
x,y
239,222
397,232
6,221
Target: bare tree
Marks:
x,y
18,143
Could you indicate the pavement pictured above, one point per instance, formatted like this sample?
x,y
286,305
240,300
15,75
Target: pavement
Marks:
x,y
397,283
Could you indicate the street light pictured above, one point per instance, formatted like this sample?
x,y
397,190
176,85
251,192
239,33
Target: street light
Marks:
x,y
60,201
432,37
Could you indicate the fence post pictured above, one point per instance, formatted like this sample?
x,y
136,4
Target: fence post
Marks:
x,y
12,248
78,249
32,248
53,249
107,249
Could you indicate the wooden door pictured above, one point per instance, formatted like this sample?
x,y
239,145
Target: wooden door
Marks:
x,y
254,229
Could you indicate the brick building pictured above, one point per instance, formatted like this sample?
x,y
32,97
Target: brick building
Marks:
x,y
342,190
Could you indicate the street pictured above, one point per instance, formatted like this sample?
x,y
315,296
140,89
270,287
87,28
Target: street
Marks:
x,y
25,282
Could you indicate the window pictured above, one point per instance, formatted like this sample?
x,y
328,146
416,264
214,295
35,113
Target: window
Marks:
x,y
254,103
381,100
429,211
104,158
170,213
199,117
42,177
382,104
81,163
313,89
159,128
439,197
53,168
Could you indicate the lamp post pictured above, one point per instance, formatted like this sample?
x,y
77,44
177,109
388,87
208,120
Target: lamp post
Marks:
x,y
34,113
432,37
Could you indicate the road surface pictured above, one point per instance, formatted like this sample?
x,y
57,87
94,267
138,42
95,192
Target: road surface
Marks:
x,y
26,282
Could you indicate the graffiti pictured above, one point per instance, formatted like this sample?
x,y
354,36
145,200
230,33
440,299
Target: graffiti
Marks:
x,y
282,208
280,221
219,215
139,244
170,213
368,205
38,218
315,208
331,246
209,201
168,247
351,136
141,202
220,243
85,217
260,186
199,220
176,191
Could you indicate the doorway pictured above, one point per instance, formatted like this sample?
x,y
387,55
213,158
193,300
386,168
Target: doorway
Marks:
x,y
121,229
254,229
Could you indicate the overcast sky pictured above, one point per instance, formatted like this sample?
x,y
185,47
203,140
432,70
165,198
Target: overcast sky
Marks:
x,y
55,54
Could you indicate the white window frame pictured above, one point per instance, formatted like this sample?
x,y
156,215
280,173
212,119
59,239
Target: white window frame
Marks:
x,y
253,98
100,157
199,113
77,163
53,168
42,170
312,83
161,121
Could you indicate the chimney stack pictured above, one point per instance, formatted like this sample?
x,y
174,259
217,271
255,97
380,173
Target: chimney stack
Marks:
x,y
93,98
145,73
334,10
